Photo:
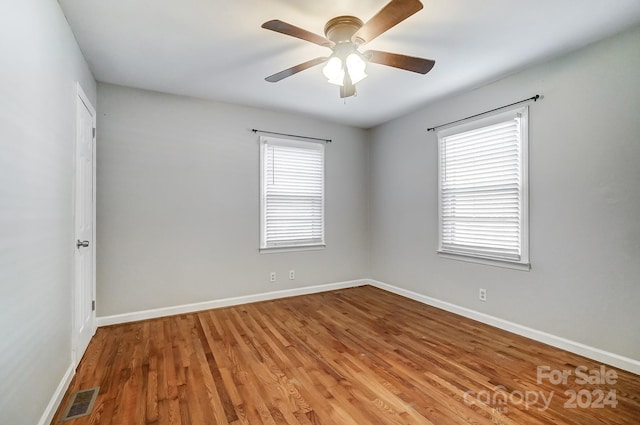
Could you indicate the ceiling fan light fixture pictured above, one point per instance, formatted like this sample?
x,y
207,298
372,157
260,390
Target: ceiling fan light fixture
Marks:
x,y
336,69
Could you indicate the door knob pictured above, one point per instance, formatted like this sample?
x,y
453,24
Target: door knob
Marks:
x,y
83,244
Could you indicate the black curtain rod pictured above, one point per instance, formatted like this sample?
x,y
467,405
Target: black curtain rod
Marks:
x,y
534,98
255,130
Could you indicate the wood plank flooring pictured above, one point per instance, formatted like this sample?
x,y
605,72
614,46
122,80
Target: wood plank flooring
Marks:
x,y
354,356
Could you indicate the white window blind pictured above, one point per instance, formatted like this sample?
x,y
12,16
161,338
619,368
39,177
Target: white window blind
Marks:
x,y
292,201
483,188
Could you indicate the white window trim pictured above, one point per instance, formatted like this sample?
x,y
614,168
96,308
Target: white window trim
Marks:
x,y
524,262
286,248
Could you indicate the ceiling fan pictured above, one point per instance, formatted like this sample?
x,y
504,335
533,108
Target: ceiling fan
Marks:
x,y
344,35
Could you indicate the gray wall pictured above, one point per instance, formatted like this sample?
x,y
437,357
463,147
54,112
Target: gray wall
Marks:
x,y
40,64
178,202
584,201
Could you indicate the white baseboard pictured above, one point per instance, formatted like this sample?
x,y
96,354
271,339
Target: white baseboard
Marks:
x,y
625,363
226,302
56,399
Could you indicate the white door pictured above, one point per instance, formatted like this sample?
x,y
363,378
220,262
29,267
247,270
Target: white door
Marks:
x,y
84,288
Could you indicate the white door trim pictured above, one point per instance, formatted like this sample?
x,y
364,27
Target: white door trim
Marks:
x,y
75,354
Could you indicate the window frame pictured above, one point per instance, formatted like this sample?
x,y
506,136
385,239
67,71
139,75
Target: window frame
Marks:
x,y
311,145
489,120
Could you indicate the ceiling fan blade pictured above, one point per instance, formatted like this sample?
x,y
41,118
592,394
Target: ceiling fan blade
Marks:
x,y
389,16
294,70
288,29
409,63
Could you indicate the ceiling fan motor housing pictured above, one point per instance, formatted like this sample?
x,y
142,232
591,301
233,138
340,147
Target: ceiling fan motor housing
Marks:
x,y
341,28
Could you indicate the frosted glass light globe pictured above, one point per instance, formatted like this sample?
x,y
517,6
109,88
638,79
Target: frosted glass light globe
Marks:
x,y
356,67
334,71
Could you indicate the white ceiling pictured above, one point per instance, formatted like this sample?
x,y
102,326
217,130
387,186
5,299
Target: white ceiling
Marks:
x,y
216,50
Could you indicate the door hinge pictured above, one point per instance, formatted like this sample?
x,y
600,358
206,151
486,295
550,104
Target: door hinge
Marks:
x,y
93,305
94,132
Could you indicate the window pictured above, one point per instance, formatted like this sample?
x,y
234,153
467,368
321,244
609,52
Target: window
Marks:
x,y
483,190
292,194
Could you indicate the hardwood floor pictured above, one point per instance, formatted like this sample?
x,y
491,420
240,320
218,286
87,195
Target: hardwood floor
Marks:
x,y
354,356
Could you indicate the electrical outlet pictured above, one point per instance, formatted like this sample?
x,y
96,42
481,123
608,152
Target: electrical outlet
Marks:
x,y
272,277
292,274
482,294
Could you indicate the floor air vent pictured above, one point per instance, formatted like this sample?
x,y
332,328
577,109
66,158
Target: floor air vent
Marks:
x,y
81,403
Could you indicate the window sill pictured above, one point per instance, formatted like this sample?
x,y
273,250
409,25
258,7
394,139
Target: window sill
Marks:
x,y
486,261
292,249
